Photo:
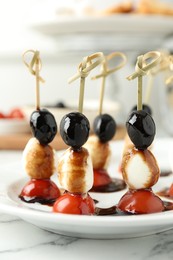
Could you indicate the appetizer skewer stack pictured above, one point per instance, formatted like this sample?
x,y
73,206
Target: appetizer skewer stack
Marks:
x,y
104,128
38,155
162,66
169,80
75,171
145,106
139,166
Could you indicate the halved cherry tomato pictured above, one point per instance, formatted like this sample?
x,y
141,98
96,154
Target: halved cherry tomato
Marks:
x,y
68,203
16,113
101,177
140,202
42,189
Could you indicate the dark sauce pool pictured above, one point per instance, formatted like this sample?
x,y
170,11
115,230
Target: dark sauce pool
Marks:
x,y
115,185
48,202
101,211
115,211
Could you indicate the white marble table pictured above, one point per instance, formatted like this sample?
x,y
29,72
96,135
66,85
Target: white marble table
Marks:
x,y
21,240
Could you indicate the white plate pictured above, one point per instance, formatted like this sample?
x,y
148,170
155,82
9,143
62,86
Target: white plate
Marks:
x,y
114,23
101,227
117,32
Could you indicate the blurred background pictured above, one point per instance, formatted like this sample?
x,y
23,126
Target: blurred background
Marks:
x,y
64,32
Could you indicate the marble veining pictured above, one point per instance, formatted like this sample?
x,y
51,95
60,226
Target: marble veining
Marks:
x,y
164,247
21,240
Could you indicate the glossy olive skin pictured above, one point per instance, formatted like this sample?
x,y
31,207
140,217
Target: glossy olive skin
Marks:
x,y
141,129
145,107
104,127
74,129
43,126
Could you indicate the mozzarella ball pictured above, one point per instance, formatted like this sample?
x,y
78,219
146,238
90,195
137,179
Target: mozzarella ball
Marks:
x,y
38,160
75,171
140,169
100,152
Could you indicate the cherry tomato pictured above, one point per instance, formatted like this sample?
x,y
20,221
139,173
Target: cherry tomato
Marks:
x,y
70,203
16,113
101,177
171,191
43,189
140,202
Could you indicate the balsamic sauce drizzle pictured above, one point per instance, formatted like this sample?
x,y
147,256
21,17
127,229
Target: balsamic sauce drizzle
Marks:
x,y
115,211
115,185
43,201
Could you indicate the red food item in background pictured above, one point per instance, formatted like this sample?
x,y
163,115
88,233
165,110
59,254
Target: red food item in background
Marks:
x,y
16,113
43,188
101,178
170,192
2,115
140,202
77,204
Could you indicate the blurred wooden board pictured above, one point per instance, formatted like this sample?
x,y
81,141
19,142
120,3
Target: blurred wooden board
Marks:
x,y
18,141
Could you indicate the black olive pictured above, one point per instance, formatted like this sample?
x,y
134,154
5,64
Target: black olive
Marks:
x,y
60,104
43,126
104,127
141,129
74,129
145,107
56,105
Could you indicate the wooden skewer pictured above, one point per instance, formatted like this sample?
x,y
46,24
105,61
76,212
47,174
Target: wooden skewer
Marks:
x,y
102,91
139,96
37,83
149,88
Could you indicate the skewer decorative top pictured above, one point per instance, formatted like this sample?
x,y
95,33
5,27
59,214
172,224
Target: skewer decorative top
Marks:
x,y
145,63
84,68
106,71
34,67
